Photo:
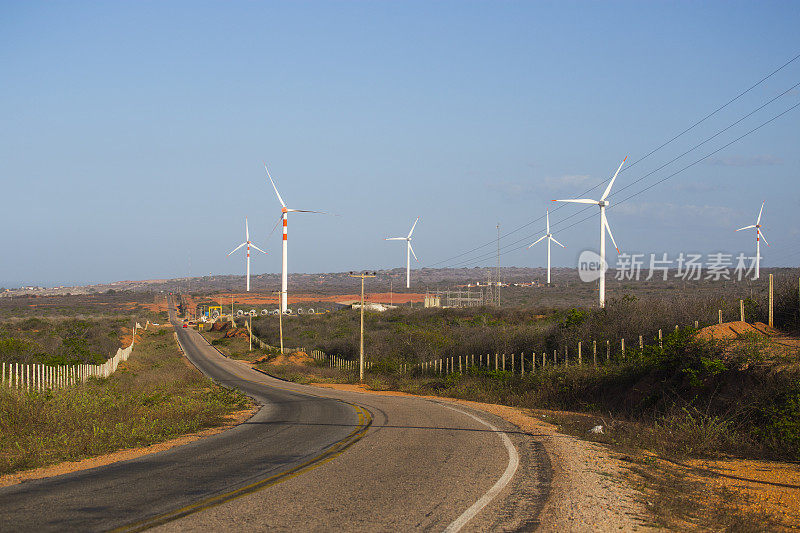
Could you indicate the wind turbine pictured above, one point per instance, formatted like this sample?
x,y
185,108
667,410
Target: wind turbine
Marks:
x,y
549,237
602,203
759,236
409,252
285,216
247,243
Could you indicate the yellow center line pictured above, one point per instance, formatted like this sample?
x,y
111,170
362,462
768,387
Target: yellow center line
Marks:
x,y
333,451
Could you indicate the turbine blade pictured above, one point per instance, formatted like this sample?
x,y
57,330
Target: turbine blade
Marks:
x,y
257,248
273,186
580,201
412,251
275,226
229,253
762,236
537,240
759,213
608,229
747,227
306,211
395,239
558,243
548,220
611,184
412,228
246,230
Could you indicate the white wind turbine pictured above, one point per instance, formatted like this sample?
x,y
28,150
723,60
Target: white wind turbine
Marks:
x,y
249,244
602,203
285,216
549,237
409,252
759,236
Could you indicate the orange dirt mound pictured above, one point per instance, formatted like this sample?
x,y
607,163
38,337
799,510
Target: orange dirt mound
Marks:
x,y
220,326
237,332
735,330
296,358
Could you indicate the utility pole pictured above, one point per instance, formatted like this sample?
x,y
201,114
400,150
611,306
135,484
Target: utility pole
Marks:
x,y
498,265
361,345
280,316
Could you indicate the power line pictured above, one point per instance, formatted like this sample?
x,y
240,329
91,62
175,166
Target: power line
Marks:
x,y
690,165
694,125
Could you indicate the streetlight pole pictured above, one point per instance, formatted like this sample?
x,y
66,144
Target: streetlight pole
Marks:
x,y
280,316
361,345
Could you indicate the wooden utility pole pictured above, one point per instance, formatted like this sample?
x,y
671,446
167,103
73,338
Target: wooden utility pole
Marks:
x,y
363,276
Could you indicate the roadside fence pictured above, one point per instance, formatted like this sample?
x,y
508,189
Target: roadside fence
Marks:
x,y
41,377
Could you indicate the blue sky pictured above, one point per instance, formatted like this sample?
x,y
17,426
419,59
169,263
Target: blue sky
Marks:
x,y
133,133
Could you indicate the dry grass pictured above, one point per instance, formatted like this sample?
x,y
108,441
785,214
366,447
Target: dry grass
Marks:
x,y
152,397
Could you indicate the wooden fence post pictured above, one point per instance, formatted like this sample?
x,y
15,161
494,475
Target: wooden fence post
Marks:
x,y
594,353
504,362
622,344
512,364
522,364
771,323
641,346
741,310
719,311
608,351
496,368
580,356
660,341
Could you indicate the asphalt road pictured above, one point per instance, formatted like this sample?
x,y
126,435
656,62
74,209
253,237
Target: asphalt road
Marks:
x,y
310,460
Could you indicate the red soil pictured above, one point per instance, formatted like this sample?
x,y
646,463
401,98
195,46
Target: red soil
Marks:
x,y
267,299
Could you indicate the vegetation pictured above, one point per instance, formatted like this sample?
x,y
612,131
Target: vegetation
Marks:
x,y
133,305
422,335
684,397
65,341
152,397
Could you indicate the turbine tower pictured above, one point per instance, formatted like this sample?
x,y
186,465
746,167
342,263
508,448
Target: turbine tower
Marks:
x,y
602,203
759,236
409,252
549,237
285,216
247,243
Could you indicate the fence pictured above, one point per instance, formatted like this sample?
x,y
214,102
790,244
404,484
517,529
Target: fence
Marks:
x,y
594,353
520,363
41,377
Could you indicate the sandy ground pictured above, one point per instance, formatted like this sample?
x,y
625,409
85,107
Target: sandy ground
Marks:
x,y
123,455
587,493
767,486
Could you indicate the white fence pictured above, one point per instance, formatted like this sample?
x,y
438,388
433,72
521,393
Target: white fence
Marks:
x,y
41,377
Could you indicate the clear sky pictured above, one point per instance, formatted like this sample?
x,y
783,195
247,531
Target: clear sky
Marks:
x,y
132,133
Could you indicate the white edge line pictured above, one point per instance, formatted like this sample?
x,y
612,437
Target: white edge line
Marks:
x,y
483,501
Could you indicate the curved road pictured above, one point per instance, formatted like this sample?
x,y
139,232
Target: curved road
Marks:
x,y
311,460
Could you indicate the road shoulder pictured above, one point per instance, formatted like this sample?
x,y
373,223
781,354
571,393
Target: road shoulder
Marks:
x,y
68,467
589,489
